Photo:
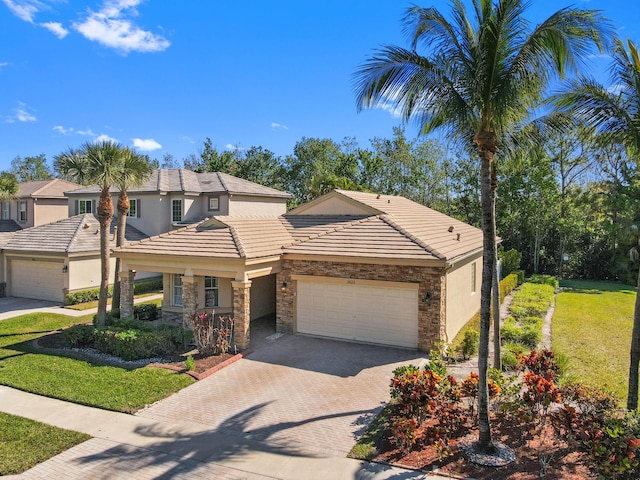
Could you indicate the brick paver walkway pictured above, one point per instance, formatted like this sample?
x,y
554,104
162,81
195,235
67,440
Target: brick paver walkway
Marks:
x,y
315,394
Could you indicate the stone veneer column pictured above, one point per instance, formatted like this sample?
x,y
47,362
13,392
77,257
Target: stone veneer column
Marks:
x,y
126,293
189,300
241,313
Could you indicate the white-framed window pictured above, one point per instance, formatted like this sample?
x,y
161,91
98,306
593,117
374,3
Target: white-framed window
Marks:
x,y
134,208
22,211
211,292
6,211
214,203
176,210
85,206
473,277
176,290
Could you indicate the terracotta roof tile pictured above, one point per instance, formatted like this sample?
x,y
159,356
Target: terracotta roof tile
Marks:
x,y
53,188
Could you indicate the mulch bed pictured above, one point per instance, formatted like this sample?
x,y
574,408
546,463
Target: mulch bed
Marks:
x,y
204,365
563,464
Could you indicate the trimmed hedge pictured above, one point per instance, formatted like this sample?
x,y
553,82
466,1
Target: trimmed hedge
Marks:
x,y
507,284
84,296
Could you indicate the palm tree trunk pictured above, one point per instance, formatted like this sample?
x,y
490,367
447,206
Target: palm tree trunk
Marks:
x,y
632,396
123,210
486,148
105,215
495,288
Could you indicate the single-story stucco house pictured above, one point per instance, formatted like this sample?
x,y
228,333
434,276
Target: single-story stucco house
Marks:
x,y
349,265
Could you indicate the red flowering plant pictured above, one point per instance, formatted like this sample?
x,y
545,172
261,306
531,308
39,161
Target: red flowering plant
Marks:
x,y
212,333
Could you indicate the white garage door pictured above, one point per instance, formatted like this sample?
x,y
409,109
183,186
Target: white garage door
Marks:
x,y
41,280
372,312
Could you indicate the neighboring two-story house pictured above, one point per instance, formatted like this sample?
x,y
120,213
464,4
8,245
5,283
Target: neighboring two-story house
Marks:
x,y
48,260
38,202
173,198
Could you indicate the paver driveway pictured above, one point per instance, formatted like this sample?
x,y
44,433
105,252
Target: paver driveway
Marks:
x,y
314,395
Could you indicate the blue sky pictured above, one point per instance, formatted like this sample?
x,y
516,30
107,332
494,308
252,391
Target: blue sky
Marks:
x,y
162,75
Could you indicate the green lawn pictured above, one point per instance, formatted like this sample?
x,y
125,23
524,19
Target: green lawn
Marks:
x,y
79,381
24,443
592,326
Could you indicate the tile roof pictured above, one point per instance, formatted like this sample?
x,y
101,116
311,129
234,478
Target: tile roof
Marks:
x,y
9,226
179,180
53,188
400,229
78,234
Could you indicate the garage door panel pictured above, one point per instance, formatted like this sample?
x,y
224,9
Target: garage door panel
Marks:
x,y
39,280
367,313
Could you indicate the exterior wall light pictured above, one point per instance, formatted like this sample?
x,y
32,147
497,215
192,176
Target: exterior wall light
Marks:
x,y
284,287
427,298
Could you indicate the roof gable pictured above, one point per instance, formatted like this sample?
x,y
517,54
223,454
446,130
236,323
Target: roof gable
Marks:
x,y
334,203
52,188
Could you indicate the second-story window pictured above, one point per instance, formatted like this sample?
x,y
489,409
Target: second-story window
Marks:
x,y
6,211
134,208
176,211
22,211
85,206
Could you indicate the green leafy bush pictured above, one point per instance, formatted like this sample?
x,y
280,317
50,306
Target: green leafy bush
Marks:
x,y
520,274
402,369
146,286
510,260
190,363
84,296
78,336
507,284
545,280
145,311
470,343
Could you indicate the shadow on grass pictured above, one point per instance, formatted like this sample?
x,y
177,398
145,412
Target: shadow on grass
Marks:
x,y
231,448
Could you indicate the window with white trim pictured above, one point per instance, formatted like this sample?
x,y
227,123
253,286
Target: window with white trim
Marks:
x,y
6,211
176,290
473,277
134,208
211,292
176,210
214,203
22,211
85,206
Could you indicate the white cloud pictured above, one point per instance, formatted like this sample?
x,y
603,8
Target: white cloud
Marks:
x,y
24,9
56,28
104,138
62,130
3,64
394,110
22,114
86,132
279,125
230,146
188,139
146,145
111,28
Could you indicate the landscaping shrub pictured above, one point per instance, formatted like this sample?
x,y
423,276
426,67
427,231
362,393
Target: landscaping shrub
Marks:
x,y
78,336
212,333
402,369
84,296
507,284
470,343
133,344
146,286
520,274
145,311
545,280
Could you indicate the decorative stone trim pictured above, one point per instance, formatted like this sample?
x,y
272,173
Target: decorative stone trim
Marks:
x,y
189,300
241,313
126,293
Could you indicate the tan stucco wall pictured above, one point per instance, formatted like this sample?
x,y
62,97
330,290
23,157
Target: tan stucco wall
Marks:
x,y
85,273
461,303
48,210
263,296
242,205
223,204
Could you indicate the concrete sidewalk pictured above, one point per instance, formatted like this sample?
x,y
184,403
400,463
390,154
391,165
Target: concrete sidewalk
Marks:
x,y
12,307
138,448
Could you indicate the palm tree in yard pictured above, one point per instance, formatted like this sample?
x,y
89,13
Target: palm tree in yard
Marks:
x,y
479,78
101,164
135,171
615,113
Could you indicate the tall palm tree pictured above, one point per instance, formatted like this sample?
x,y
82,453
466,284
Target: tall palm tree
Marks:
x,y
614,113
135,171
480,77
99,163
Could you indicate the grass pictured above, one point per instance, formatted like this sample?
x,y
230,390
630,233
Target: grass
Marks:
x,y
24,443
76,380
366,446
592,327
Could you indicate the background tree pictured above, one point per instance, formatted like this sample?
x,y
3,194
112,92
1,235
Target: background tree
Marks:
x,y
9,186
479,78
136,169
616,115
31,168
101,164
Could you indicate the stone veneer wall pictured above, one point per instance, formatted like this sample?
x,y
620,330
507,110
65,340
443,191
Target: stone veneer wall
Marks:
x,y
431,316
